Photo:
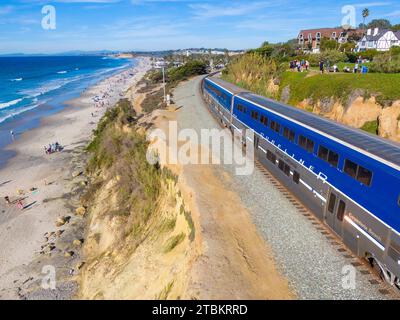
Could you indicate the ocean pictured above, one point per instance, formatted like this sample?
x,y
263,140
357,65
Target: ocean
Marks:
x,y
34,87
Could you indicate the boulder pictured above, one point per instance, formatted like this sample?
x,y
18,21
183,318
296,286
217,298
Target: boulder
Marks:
x,y
77,174
81,211
77,242
61,221
68,254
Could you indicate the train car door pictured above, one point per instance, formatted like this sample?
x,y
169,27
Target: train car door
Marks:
x,y
335,212
256,141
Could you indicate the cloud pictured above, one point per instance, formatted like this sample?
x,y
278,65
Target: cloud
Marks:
x,y
207,11
372,4
393,14
72,1
6,10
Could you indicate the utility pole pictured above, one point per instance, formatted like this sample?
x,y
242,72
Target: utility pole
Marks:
x,y
163,76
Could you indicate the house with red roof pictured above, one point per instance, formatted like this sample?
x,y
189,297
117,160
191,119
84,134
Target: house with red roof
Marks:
x,y
310,39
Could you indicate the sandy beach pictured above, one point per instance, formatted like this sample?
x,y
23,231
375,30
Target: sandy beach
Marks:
x,y
43,184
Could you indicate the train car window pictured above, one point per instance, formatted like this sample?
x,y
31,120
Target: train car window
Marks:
x,y
310,146
364,176
332,203
286,132
239,107
275,126
281,165
350,168
303,142
328,155
286,170
341,210
264,120
398,201
333,159
292,136
254,115
323,153
271,157
296,177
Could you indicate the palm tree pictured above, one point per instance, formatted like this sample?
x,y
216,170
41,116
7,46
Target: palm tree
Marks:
x,y
365,14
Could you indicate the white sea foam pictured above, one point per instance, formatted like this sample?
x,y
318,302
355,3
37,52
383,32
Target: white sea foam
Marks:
x,y
10,103
2,119
18,79
62,72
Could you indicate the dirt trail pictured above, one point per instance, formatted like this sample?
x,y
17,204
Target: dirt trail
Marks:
x,y
221,256
233,260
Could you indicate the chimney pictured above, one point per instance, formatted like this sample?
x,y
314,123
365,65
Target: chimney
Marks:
x,y
369,32
376,30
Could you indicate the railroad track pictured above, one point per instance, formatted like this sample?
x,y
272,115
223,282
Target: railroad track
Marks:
x,y
361,265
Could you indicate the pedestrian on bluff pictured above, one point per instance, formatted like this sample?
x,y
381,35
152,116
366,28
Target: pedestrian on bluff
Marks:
x,y
321,67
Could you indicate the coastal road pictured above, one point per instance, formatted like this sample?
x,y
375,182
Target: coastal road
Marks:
x,y
313,263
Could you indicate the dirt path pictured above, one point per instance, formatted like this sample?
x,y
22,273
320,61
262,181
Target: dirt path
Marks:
x,y
233,260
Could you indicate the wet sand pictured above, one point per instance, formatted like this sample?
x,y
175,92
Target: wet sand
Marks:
x,y
41,181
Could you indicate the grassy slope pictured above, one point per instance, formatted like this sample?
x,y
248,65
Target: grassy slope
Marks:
x,y
340,86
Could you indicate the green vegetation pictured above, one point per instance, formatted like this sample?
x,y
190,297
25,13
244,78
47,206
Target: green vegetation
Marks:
x,y
371,127
388,62
176,74
173,242
121,154
163,295
190,69
253,72
189,220
340,86
256,72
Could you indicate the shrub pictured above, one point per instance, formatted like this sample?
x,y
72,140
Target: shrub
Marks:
x,y
369,54
371,127
388,62
192,68
331,56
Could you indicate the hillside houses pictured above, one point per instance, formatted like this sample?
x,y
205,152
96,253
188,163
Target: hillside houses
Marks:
x,y
378,39
311,39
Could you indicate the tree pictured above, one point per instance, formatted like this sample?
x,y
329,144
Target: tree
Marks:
x,y
380,23
396,27
328,44
365,14
362,26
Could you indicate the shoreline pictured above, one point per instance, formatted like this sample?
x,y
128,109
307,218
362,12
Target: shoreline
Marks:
x,y
33,119
45,182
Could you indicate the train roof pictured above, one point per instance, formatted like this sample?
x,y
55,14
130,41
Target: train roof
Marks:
x,y
375,145
228,86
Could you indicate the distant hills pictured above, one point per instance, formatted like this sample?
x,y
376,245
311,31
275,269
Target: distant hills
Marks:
x,y
108,52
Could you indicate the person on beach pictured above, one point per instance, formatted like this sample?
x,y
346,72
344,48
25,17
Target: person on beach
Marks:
x,y
12,134
7,199
20,205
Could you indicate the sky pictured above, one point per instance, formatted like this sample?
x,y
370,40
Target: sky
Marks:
x,y
170,24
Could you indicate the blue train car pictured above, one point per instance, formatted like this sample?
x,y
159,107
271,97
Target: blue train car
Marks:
x,y
348,178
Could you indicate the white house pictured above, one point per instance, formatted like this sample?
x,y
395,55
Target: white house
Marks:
x,y
378,39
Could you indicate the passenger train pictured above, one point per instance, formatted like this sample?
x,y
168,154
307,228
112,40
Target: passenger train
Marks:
x,y
348,178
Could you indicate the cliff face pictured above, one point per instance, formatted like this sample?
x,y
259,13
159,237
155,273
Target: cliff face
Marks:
x,y
147,262
369,102
140,236
361,113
